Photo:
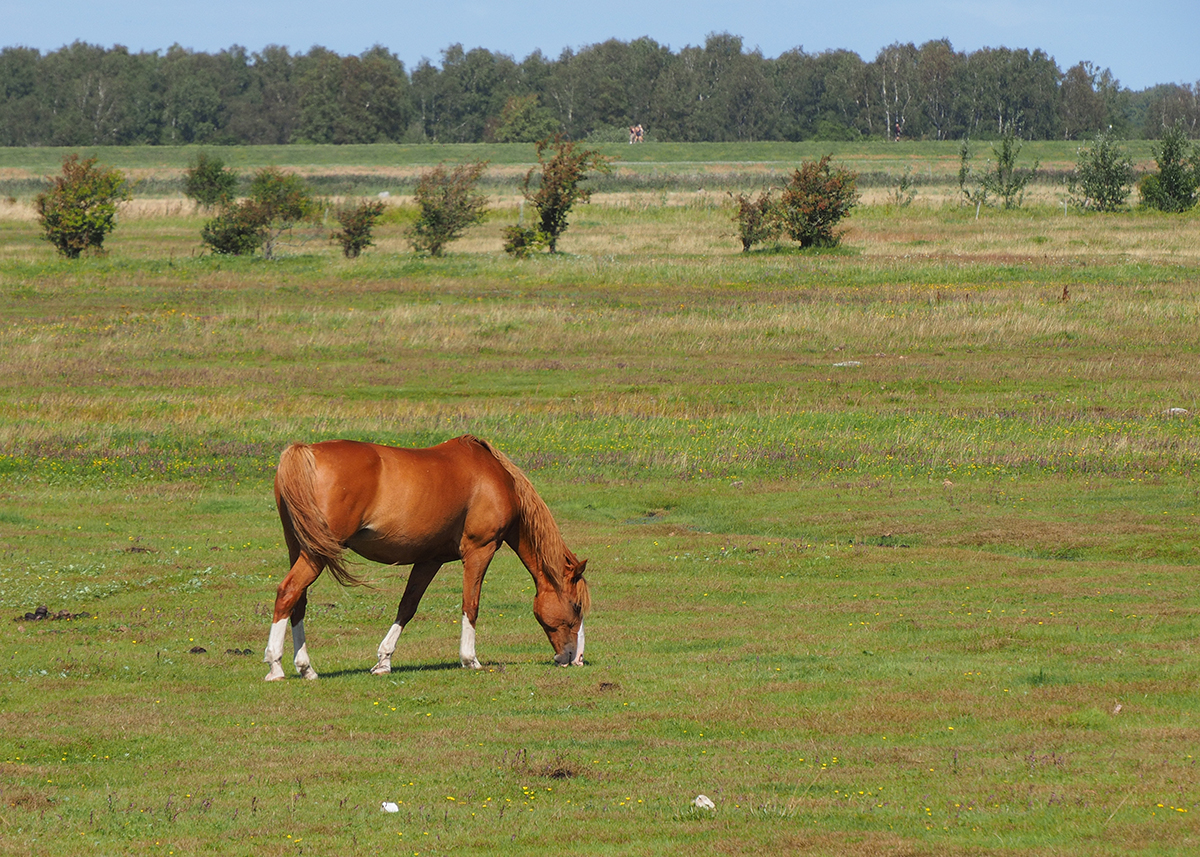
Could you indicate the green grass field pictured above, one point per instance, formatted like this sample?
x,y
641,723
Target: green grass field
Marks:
x,y
650,166
891,547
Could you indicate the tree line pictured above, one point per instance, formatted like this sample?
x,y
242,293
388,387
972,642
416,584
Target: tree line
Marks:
x,y
84,94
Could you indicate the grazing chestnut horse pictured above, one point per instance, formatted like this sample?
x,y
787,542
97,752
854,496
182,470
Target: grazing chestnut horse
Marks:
x,y
459,500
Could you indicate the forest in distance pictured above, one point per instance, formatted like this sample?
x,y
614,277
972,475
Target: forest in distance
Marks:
x,y
90,95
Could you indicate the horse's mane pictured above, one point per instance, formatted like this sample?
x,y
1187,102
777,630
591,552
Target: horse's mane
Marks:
x,y
539,526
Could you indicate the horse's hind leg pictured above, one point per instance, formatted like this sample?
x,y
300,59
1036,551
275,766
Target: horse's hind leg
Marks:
x,y
291,600
418,581
299,644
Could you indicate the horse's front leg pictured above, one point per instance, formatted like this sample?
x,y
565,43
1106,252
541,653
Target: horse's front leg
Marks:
x,y
475,566
291,601
418,581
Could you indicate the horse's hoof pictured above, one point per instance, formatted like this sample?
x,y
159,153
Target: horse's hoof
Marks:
x,y
381,669
472,664
308,673
274,675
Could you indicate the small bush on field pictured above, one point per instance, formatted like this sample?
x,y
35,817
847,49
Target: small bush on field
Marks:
x,y
757,218
284,199
277,202
1005,180
558,188
1103,175
522,242
208,183
1001,179
358,221
1173,187
238,230
905,191
972,189
447,203
79,209
815,201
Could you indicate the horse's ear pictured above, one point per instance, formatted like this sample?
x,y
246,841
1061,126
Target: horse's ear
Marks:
x,y
577,571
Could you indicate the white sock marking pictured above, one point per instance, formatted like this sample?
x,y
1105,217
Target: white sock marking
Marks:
x,y
303,665
275,641
298,641
466,646
274,653
579,647
386,648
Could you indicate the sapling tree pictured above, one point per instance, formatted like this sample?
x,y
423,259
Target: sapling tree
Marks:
x,y
357,220
757,218
1173,187
815,201
1103,175
559,184
284,199
972,189
208,183
79,208
277,202
905,192
1004,179
447,203
237,230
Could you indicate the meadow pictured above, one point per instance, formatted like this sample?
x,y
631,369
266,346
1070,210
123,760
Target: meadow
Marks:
x,y
890,546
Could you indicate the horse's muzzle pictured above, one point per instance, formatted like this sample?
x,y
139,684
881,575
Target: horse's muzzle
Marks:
x,y
572,655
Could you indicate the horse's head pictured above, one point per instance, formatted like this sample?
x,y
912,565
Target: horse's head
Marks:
x,y
560,610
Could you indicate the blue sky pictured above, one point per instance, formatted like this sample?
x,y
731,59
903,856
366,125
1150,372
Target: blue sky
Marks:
x,y
1142,44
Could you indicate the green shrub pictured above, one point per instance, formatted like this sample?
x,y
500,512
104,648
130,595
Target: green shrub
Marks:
x,y
972,189
815,201
238,230
447,204
905,192
521,241
1173,187
284,200
757,218
1004,179
79,209
277,202
208,183
357,220
1001,178
558,188
1103,175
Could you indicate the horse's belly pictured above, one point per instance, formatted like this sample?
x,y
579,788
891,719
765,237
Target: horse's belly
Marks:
x,y
392,551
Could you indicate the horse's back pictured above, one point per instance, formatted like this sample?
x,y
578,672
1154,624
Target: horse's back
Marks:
x,y
393,503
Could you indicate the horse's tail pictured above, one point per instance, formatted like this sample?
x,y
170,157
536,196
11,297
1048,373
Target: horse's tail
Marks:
x,y
295,480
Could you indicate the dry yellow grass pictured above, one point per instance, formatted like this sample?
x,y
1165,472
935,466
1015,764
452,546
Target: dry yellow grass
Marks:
x,y
696,225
